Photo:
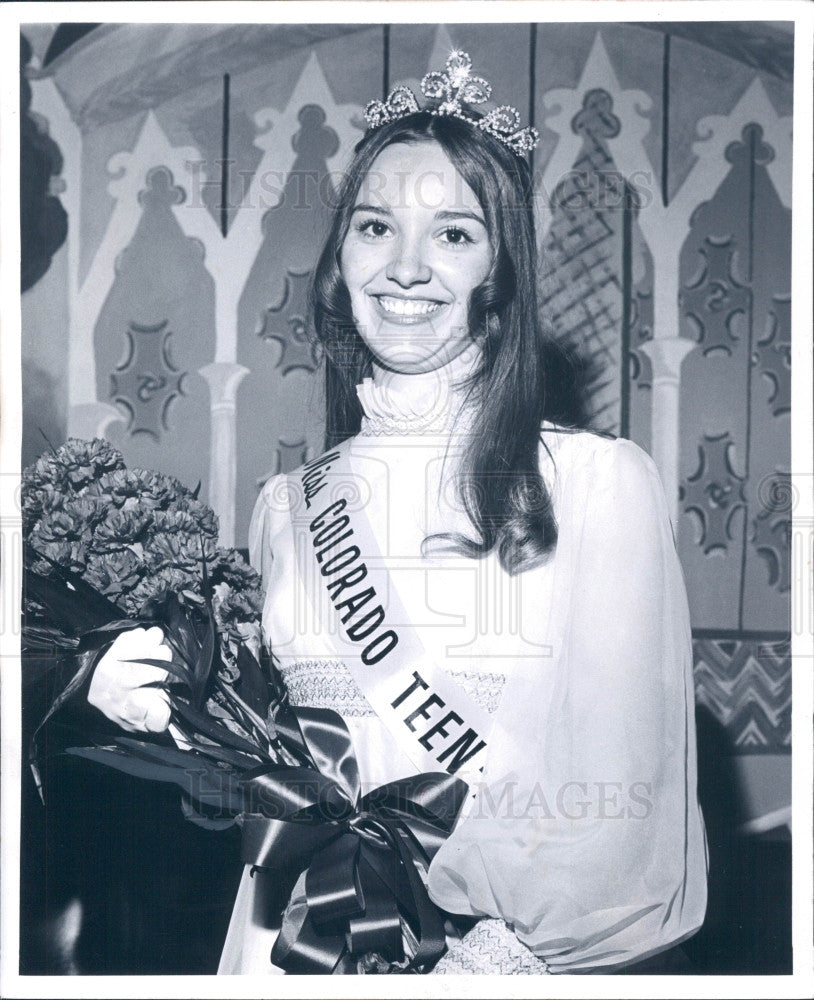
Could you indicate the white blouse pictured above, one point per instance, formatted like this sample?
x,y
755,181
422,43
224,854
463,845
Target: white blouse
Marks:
x,y
584,838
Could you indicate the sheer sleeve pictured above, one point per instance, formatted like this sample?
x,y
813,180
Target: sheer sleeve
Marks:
x,y
262,528
586,836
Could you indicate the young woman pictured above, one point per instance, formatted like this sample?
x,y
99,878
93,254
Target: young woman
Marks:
x,y
527,573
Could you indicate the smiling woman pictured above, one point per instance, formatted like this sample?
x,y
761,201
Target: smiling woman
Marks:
x,y
534,628
459,235
415,250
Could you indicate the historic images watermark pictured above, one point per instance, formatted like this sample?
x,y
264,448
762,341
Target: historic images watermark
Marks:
x,y
306,190
574,800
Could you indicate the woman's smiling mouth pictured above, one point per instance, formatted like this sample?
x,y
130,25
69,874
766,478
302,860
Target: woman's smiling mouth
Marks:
x,y
404,310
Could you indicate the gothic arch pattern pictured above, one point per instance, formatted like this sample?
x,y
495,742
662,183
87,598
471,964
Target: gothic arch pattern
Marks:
x,y
686,296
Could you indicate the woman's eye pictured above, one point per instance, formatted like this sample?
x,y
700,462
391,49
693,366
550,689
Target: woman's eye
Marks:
x,y
456,237
374,228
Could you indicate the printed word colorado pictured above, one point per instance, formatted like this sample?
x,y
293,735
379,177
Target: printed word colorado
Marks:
x,y
426,708
345,571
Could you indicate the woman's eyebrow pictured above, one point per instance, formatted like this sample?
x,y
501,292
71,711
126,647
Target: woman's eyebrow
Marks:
x,y
371,208
445,216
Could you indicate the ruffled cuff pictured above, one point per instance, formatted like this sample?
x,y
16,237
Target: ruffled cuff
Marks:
x,y
490,948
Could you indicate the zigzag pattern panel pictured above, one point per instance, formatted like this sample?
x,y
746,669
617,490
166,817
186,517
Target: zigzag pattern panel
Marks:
x,y
746,685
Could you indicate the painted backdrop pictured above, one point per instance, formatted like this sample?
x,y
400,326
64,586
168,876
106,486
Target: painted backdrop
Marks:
x,y
199,162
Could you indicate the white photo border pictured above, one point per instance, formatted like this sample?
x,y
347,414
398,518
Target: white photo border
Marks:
x,y
12,16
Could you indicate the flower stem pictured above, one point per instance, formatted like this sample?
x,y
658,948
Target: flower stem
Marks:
x,y
250,714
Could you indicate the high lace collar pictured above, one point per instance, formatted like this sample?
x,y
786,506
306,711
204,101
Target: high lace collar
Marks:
x,y
427,403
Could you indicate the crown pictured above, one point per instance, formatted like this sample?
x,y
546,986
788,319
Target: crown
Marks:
x,y
453,87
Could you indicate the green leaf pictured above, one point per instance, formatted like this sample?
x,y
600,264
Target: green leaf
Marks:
x,y
179,672
204,783
87,663
203,668
43,639
252,685
234,758
74,606
95,637
179,631
206,726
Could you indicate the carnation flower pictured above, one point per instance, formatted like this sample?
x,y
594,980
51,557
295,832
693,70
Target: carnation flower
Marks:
x,y
136,536
160,492
67,553
59,526
114,573
85,461
203,516
45,472
57,476
73,466
120,529
181,550
175,521
62,540
81,512
156,585
231,568
121,488
235,609
38,499
63,535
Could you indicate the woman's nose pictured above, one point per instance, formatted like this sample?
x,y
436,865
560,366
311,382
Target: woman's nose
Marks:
x,y
407,267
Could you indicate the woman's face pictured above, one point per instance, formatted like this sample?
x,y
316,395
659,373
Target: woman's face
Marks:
x,y
416,247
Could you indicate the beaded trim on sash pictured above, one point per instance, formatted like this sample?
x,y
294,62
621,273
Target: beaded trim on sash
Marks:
x,y
327,683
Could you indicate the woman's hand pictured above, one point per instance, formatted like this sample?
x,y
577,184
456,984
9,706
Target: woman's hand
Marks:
x,y
120,689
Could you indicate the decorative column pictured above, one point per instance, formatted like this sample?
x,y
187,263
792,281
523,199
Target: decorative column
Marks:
x,y
666,351
223,379
666,355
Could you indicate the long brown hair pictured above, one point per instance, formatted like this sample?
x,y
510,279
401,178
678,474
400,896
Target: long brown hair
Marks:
x,y
499,481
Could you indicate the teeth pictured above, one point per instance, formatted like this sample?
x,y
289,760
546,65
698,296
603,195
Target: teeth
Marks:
x,y
408,307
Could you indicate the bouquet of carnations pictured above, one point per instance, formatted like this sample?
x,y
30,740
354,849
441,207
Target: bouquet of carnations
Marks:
x,y
108,549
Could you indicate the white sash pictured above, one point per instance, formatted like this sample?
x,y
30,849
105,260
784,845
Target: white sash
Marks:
x,y
433,719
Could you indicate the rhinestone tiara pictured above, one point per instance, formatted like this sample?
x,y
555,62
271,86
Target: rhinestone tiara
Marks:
x,y
453,87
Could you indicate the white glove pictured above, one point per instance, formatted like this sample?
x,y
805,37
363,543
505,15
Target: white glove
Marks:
x,y
117,688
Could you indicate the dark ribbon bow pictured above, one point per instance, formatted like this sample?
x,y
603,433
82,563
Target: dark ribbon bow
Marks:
x,y
359,852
